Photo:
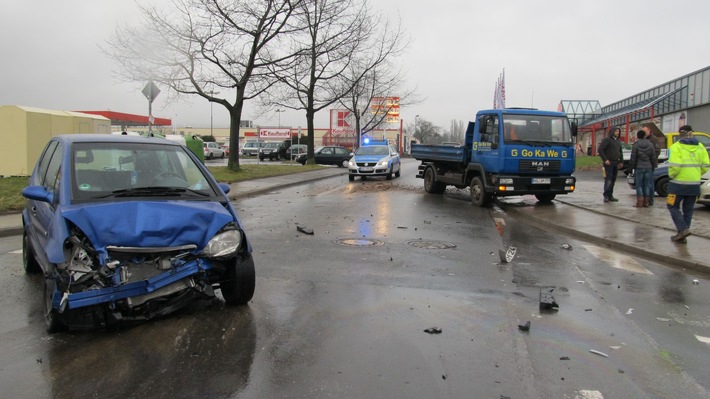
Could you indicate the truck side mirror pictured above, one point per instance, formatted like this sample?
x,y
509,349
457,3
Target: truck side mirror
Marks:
x,y
573,128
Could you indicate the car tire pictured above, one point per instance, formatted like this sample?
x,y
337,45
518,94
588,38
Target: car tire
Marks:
x,y
479,197
51,318
389,174
28,257
430,184
662,186
344,164
240,281
398,172
351,177
222,156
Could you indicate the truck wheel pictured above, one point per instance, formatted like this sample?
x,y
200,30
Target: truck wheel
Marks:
x,y
431,185
662,186
547,198
238,287
478,193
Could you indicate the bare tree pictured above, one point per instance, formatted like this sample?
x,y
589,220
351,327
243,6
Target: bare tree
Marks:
x,y
382,80
207,48
426,132
336,35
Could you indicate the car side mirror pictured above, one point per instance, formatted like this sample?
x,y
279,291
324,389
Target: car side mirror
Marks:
x,y
38,193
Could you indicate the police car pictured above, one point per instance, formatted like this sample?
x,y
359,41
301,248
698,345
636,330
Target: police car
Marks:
x,y
374,158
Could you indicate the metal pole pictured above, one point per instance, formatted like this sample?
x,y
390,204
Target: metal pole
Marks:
x,y
212,93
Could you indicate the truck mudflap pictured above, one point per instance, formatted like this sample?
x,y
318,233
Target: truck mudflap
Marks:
x,y
522,185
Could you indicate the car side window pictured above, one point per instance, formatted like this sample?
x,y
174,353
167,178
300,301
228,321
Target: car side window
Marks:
x,y
44,162
341,151
51,179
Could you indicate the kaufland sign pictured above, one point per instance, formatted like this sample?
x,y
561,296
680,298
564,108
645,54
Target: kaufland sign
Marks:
x,y
342,122
268,133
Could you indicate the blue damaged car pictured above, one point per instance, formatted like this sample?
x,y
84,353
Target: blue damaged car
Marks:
x,y
129,228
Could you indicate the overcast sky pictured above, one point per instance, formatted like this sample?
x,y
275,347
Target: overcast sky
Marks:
x,y
551,50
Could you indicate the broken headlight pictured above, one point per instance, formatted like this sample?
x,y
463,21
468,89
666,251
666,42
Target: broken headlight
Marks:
x,y
225,243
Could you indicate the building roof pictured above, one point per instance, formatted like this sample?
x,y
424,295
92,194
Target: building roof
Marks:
x,y
123,119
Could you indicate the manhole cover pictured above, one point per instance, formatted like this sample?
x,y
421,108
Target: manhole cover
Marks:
x,y
429,244
359,242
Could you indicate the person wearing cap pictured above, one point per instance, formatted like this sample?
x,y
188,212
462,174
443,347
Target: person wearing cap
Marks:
x,y
687,162
610,152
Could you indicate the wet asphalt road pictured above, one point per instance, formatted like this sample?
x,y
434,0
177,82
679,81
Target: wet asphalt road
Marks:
x,y
342,312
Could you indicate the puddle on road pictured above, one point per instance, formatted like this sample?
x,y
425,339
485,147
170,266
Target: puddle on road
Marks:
x,y
617,260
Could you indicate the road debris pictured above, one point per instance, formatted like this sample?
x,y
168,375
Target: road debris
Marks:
x,y
304,230
508,255
566,246
696,281
596,352
662,319
564,358
524,327
433,330
631,310
547,301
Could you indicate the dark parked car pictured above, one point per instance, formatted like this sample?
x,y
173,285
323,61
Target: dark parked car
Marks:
x,y
273,150
295,150
328,155
129,228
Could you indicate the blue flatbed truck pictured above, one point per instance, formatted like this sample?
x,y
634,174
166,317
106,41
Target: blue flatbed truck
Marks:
x,y
506,152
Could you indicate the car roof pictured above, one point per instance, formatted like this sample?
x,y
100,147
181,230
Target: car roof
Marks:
x,y
111,138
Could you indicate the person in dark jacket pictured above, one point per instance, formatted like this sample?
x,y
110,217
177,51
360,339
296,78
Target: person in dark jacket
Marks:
x,y
643,161
610,152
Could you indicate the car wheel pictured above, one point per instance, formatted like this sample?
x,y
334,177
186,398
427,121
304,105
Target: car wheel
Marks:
x,y
398,172
351,177
239,283
431,185
547,198
389,174
51,319
28,257
479,197
344,164
222,156
662,186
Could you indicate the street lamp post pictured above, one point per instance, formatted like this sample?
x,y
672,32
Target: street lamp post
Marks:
x,y
279,111
212,93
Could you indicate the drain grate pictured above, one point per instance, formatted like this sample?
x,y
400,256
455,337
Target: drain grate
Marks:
x,y
359,242
430,244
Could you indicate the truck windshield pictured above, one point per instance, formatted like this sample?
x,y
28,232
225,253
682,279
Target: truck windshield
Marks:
x,y
547,129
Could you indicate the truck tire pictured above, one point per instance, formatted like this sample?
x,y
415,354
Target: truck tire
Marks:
x,y
546,198
431,185
479,197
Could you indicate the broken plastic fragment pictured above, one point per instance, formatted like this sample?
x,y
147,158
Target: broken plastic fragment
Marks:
x,y
508,255
547,301
567,247
304,230
433,330
598,353
631,310
696,281
524,327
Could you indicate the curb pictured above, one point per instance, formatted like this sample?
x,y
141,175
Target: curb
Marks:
x,y
267,189
626,248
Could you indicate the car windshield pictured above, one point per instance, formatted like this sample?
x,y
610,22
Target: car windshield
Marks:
x,y
102,170
271,145
373,150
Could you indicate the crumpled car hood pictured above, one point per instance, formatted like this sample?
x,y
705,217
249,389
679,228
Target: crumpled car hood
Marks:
x,y
139,224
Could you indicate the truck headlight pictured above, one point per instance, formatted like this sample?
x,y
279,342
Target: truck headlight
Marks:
x,y
223,244
569,181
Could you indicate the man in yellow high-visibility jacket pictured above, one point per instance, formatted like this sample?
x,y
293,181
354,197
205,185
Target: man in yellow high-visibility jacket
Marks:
x,y
687,162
